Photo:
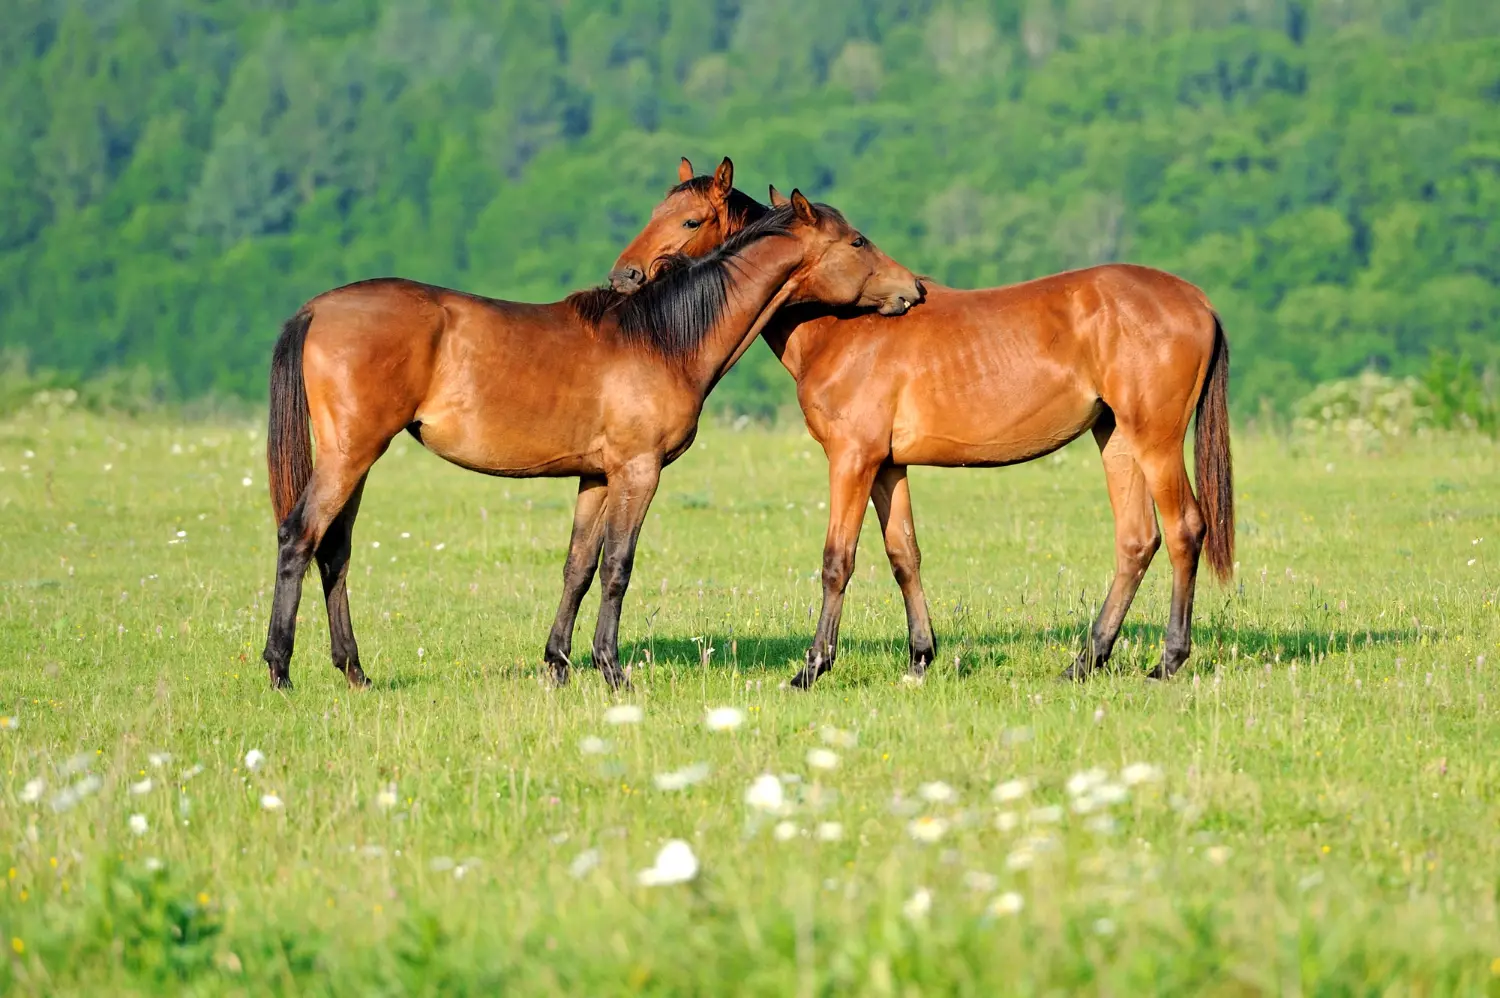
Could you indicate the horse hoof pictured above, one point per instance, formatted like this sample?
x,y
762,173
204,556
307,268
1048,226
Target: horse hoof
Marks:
x,y
804,679
1159,675
1072,674
357,678
616,679
281,682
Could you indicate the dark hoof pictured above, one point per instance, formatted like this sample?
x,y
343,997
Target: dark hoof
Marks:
x,y
804,679
1160,674
615,677
357,678
281,682
558,671
919,663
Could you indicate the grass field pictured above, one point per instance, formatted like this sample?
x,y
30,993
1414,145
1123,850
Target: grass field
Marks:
x,y
1318,813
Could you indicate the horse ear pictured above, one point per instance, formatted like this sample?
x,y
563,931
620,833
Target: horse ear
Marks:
x,y
684,171
723,180
804,209
778,199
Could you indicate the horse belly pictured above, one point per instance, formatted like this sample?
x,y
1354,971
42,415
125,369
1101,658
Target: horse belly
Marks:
x,y
956,431
516,437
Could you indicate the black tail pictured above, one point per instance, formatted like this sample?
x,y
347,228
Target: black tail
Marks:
x,y
1215,466
288,439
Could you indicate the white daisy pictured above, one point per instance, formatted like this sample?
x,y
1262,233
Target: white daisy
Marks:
x,y
254,759
1009,903
724,718
822,758
675,864
937,792
766,794
138,824
623,713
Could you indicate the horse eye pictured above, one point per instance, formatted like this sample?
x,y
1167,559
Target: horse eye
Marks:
x,y
859,241
691,223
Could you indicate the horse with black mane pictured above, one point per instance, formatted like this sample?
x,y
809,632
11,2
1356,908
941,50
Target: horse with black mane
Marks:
x,y
604,387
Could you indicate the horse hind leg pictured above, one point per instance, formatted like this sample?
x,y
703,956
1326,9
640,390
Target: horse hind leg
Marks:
x,y
333,555
1136,542
333,483
892,496
1184,529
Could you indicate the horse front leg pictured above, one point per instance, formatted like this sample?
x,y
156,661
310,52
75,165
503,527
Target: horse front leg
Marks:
x,y
578,573
892,496
850,478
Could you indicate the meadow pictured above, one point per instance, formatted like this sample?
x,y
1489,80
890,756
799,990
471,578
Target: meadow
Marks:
x,y
1309,808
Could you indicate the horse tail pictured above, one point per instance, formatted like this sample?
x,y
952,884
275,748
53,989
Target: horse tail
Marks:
x,y
288,439
1214,465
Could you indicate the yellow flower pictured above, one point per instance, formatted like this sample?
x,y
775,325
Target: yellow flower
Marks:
x,y
20,947
202,897
1495,966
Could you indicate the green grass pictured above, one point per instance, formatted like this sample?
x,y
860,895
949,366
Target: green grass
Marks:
x,y
1326,822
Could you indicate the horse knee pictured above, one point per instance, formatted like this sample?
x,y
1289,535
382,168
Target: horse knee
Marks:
x,y
614,578
838,565
1136,552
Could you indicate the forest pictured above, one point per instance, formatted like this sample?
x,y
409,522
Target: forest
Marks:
x,y
177,176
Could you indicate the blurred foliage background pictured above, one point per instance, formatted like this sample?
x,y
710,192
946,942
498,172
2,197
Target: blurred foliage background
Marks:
x,y
177,176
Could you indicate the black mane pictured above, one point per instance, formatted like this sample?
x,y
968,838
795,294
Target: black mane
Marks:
x,y
674,311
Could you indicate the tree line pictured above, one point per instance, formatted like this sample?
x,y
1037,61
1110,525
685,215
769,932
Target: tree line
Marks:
x,y
177,176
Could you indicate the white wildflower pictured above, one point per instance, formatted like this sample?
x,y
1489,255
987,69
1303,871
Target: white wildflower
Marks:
x,y
583,864
682,778
838,737
830,831
32,791
1020,859
386,798
623,713
784,831
270,802
766,794
153,864
1048,815
937,792
254,759
1218,855
1007,904
918,905
981,882
822,758
1006,821
1081,783
1137,773
593,745
1110,793
724,718
1011,790
158,759
927,829
675,864
143,787
138,824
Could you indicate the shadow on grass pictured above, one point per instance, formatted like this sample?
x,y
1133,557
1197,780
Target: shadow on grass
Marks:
x,y
994,648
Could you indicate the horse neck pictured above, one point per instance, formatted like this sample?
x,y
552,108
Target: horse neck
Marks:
x,y
758,274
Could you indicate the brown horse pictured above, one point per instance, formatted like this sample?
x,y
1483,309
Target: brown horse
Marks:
x,y
600,386
997,377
